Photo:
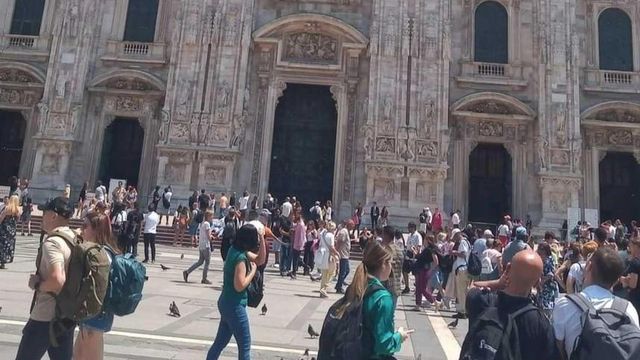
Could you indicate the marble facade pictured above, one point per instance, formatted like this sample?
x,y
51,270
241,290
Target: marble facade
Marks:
x,y
206,89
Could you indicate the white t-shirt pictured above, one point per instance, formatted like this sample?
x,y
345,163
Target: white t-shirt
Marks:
x,y
205,234
100,190
455,219
151,221
259,226
167,195
415,239
464,248
567,316
429,217
576,271
503,230
328,213
244,201
286,209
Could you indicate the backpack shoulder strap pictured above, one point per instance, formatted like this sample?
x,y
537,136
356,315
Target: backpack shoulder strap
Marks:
x,y
66,237
620,304
581,302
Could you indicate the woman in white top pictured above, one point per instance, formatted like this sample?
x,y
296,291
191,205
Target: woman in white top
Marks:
x,y
328,211
326,257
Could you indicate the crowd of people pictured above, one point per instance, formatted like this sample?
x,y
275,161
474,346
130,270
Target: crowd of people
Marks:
x,y
499,282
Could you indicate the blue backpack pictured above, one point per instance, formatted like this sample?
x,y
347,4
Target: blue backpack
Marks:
x,y
126,280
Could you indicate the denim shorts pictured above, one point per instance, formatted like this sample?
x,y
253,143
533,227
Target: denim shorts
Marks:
x,y
436,279
193,229
101,323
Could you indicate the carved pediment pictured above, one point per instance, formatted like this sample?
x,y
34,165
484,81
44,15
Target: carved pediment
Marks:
x,y
16,75
492,107
122,83
618,115
310,48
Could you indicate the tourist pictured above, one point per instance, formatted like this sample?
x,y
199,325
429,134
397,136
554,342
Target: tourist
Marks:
x,y
156,197
328,211
603,270
254,203
204,247
394,283
436,221
423,219
239,269
244,205
193,199
132,229
27,208
81,199
357,220
181,222
503,232
455,219
384,217
310,246
327,256
8,227
100,191
426,264
150,222
630,278
131,197
224,205
118,220
233,200
229,232
299,238
284,233
90,340
548,287
519,244
315,212
166,204
576,274
494,301
458,284
382,340
286,209
375,215
47,282
491,260
195,220
343,246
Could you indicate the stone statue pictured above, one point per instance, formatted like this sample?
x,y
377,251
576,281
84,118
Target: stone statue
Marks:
x,y
163,132
368,143
446,140
246,100
429,114
387,108
43,110
224,94
542,144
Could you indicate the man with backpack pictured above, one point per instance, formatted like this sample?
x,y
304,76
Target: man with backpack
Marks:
x,y
45,332
611,330
133,226
503,322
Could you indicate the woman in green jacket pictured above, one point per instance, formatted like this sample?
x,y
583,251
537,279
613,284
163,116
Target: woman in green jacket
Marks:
x,y
380,336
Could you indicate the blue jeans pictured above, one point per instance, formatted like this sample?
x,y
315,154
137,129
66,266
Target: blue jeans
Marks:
x,y
35,343
285,258
342,275
205,257
233,321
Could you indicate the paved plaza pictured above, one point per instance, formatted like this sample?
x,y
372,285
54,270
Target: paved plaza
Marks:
x,y
151,333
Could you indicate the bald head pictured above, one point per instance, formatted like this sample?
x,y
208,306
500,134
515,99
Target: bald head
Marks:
x,y
524,270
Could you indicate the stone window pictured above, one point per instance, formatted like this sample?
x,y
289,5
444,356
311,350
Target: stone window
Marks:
x,y
141,20
491,27
27,17
615,40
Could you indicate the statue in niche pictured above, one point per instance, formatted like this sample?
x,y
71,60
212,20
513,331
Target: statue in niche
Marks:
x,y
163,131
389,190
43,110
541,147
387,108
561,134
224,94
246,100
364,106
368,143
429,115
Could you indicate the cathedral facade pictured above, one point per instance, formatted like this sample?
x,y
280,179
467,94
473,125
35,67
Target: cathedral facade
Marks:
x,y
487,107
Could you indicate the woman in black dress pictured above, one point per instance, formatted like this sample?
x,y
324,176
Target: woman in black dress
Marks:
x,y
82,198
8,223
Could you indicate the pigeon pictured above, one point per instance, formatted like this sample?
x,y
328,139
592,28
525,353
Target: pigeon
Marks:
x,y
264,309
419,357
181,256
164,268
312,332
306,352
173,309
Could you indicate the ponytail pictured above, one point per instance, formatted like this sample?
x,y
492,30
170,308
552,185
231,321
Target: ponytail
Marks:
x,y
355,291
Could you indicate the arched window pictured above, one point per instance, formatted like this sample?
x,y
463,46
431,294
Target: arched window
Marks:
x,y
141,20
615,40
27,17
491,33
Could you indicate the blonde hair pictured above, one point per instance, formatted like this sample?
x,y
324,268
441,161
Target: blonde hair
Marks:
x,y
13,206
375,255
330,226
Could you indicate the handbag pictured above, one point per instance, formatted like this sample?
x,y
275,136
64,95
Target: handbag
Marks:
x,y
321,255
255,290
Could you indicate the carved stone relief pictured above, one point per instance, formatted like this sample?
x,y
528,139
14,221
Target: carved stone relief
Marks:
x,y
15,75
618,115
128,103
385,144
560,157
384,190
180,132
490,107
128,84
310,48
215,176
490,129
175,172
427,150
559,201
368,142
620,137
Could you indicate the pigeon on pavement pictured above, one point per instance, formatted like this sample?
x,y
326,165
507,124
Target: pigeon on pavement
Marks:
x,y
312,332
264,309
173,309
181,256
164,268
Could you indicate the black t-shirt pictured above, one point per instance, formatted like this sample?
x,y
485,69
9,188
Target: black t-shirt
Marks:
x,y
634,294
285,227
134,220
203,201
534,329
424,259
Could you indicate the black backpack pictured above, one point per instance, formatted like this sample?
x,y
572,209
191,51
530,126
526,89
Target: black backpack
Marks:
x,y
343,335
474,264
199,217
165,202
490,337
255,290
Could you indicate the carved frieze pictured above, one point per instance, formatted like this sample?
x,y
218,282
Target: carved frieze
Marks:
x,y
385,170
175,172
385,144
426,150
217,157
490,107
563,183
618,115
128,84
179,132
431,174
15,75
490,129
560,157
215,176
11,96
310,48
620,137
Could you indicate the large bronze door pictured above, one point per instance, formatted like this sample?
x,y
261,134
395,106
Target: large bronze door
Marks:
x,y
489,183
304,141
619,187
12,134
122,151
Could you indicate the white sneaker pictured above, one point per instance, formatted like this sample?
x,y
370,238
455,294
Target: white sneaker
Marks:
x,y
276,266
417,308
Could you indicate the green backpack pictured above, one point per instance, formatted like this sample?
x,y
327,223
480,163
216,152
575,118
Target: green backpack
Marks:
x,y
86,283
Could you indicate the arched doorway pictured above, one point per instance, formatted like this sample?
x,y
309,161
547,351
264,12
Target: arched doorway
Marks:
x,y
619,187
12,136
122,151
304,142
489,183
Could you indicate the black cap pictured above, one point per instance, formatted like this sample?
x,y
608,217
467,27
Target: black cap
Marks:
x,y
59,205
